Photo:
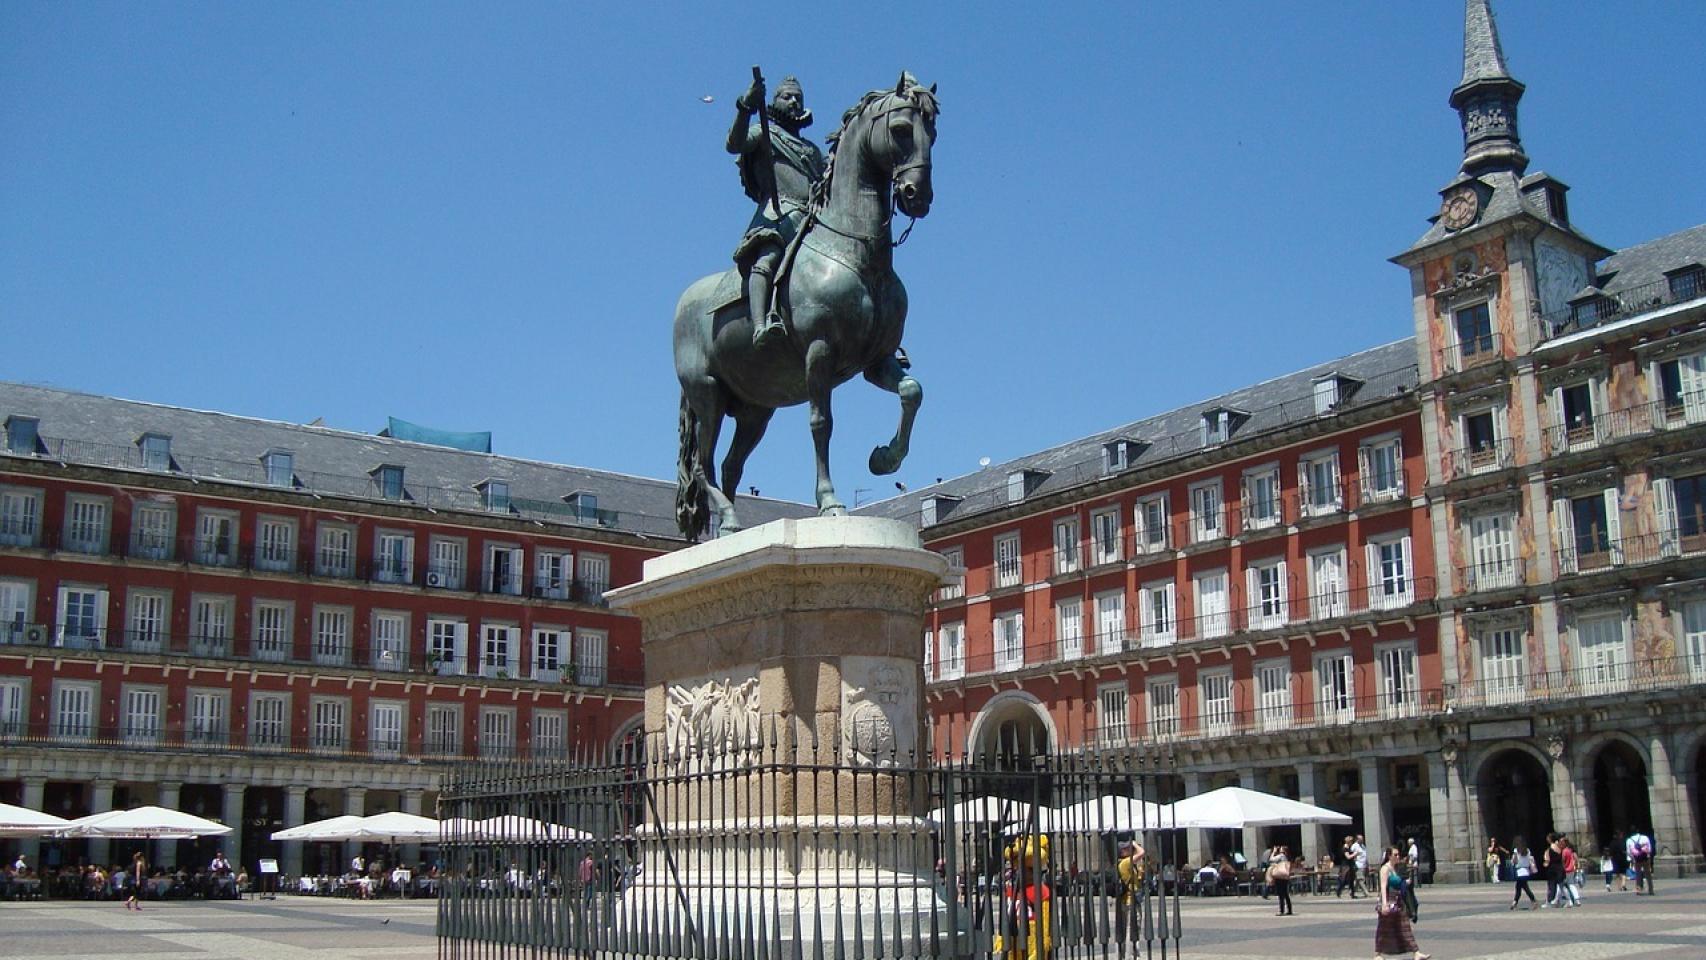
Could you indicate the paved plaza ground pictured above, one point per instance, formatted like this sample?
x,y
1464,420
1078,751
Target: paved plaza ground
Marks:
x,y
1458,923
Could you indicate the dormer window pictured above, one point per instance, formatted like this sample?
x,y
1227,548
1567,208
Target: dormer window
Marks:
x,y
583,505
1022,483
1217,425
1592,307
1687,283
1332,390
494,495
936,509
1120,454
389,477
156,451
22,434
280,467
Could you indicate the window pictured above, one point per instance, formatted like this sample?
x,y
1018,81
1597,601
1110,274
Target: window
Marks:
x,y
1328,588
141,719
1163,701
1119,455
1069,628
1110,621
1016,486
494,496
1318,479
280,468
583,505
1205,512
1213,606
1687,283
1007,560
1604,653
210,626
503,570
152,529
1066,545
394,558
548,644
1399,691
329,727
550,739
953,650
1326,394
1503,673
1113,714
1335,688
1681,508
269,720
1105,526
156,451
1216,688
17,597
85,524
444,730
1681,387
447,647
930,655
208,712
1273,695
74,711
592,571
1588,530
335,555
497,732
332,635
1694,638
1216,427
1151,518
389,480
1265,584
449,563
390,640
956,585
20,516
1482,432
1262,498
590,657
385,728
14,694
1492,551
1474,328
934,509
497,651
1157,623
22,435
1009,640
216,538
1573,415
82,618
1382,470
1391,583
275,545
553,572
271,640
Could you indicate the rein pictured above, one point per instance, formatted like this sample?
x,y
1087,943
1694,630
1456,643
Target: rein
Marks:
x,y
820,193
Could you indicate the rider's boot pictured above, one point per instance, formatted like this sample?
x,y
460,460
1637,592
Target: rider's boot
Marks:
x,y
767,327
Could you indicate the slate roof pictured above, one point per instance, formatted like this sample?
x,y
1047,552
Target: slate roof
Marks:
x,y
86,428
1483,57
1648,262
1379,373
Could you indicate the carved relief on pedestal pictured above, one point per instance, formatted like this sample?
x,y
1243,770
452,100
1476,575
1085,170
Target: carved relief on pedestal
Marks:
x,y
879,710
714,717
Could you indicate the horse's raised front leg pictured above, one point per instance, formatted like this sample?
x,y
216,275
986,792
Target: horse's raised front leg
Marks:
x,y
820,381
891,376
749,429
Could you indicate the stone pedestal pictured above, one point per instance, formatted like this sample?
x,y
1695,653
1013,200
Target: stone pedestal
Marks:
x,y
784,735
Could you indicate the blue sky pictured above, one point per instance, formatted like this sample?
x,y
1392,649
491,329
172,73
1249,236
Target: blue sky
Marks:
x,y
480,216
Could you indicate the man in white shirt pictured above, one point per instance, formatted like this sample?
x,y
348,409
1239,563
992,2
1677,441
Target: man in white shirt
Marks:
x,y
358,865
1359,854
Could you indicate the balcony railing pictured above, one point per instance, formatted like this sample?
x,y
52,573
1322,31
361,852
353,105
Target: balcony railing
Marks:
x,y
1471,353
1640,420
1496,574
1613,677
1486,458
1589,554
1605,308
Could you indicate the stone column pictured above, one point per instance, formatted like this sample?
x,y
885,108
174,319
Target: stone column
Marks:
x,y
232,816
1252,836
1452,842
1195,840
295,800
412,804
1568,796
355,805
1671,844
100,801
35,789
1374,827
166,851
1309,789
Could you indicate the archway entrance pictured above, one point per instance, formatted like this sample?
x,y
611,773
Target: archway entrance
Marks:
x,y
1619,799
1516,798
1012,736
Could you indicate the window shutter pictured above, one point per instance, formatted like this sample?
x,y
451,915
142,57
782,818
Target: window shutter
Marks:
x,y
1246,499
1252,596
1664,504
1172,608
1564,534
1614,523
1338,484
1398,464
1018,638
1363,471
1560,429
101,617
1371,570
1691,375
1303,485
1601,409
1284,594
1409,587
1145,612
460,633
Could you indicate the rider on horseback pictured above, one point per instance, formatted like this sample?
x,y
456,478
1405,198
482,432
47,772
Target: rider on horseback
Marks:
x,y
793,165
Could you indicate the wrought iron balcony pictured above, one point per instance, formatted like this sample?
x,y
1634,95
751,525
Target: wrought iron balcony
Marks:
x,y
1607,307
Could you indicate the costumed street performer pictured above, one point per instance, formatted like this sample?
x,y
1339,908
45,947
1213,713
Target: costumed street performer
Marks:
x,y
778,168
1028,929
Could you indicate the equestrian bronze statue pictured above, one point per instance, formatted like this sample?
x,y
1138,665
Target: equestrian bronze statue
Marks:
x,y
813,299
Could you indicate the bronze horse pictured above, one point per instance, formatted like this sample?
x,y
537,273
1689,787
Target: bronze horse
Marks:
x,y
847,312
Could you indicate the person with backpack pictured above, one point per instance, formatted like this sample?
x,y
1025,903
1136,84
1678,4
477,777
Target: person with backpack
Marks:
x,y
1639,847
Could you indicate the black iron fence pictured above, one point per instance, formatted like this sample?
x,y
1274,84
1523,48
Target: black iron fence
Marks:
x,y
1606,307
789,850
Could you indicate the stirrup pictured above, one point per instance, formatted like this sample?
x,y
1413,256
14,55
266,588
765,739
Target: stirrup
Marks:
x,y
772,330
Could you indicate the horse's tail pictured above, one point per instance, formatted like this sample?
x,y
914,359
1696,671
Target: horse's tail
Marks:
x,y
692,503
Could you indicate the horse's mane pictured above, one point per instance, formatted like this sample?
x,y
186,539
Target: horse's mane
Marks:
x,y
922,97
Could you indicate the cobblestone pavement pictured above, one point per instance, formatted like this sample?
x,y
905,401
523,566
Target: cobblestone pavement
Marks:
x,y
1457,923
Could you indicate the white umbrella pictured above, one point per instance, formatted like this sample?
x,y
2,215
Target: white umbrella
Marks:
x,y
1235,807
515,827
144,823
1114,814
993,810
394,827
309,831
24,822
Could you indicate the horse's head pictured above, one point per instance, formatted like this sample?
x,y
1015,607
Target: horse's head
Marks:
x,y
902,135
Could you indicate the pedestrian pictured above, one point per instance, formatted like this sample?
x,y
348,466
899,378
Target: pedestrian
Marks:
x,y
588,879
1408,869
1552,865
1495,858
1572,889
1394,937
1607,866
1522,866
1359,850
1347,869
1279,877
1129,873
1639,847
138,870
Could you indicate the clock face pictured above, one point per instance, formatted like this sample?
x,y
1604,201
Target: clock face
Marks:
x,y
1460,208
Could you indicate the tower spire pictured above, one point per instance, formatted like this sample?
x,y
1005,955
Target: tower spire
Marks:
x,y
1486,98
